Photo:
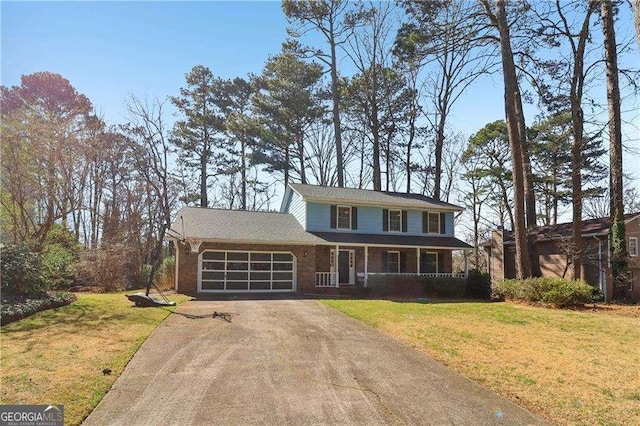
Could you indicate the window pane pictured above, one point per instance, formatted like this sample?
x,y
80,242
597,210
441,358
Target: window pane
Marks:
x,y
213,275
213,266
238,285
434,223
283,266
344,217
393,262
260,276
212,285
235,276
237,256
395,220
260,285
261,257
213,255
261,266
282,276
237,266
282,257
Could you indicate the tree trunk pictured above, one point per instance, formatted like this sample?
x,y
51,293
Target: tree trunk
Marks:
x,y
514,118
303,176
577,118
243,171
204,159
617,232
335,95
437,181
375,127
636,19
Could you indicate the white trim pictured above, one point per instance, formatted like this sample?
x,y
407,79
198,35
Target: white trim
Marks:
x,y
338,217
389,220
294,271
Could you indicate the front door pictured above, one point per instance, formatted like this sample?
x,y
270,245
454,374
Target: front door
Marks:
x,y
346,266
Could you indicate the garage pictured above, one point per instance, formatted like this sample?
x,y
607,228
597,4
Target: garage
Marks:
x,y
246,271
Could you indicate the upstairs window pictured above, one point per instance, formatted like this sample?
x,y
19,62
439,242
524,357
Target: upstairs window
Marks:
x,y
434,223
395,220
633,246
344,217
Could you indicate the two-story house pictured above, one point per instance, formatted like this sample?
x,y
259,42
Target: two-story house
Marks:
x,y
554,244
323,237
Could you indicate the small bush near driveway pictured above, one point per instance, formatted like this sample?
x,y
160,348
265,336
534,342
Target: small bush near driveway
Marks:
x,y
557,292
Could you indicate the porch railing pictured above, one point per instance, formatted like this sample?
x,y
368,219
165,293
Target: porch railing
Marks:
x,y
423,274
326,279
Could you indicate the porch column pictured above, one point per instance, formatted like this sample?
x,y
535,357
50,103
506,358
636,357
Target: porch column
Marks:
x,y
466,263
337,266
418,260
366,265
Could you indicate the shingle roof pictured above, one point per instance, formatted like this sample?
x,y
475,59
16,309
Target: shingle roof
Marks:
x,y
238,225
370,197
392,240
282,228
598,226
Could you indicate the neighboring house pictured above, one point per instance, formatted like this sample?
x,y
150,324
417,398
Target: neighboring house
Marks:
x,y
322,238
554,242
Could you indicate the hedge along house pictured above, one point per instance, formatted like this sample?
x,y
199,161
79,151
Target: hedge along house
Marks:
x,y
554,244
323,238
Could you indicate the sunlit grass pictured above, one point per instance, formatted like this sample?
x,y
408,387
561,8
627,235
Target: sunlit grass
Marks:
x,y
569,367
58,356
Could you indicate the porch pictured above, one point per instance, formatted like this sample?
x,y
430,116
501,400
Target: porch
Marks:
x,y
353,266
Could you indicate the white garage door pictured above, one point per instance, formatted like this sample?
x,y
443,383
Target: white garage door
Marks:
x,y
254,271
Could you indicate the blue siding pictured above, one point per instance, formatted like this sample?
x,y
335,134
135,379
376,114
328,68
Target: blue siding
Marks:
x,y
296,206
369,220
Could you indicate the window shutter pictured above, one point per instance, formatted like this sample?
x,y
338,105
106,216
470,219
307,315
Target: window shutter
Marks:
x,y
354,218
425,222
440,262
385,221
384,261
334,216
403,262
404,221
443,228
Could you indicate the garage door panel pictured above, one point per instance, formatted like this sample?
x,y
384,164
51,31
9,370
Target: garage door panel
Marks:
x,y
213,285
241,285
260,285
282,285
246,271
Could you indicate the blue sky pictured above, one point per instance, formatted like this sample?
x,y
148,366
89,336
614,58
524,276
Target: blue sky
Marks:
x,y
110,49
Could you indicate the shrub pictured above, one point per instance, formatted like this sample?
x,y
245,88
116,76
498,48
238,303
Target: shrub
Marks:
x,y
107,267
59,257
558,292
21,271
10,312
165,275
414,286
478,284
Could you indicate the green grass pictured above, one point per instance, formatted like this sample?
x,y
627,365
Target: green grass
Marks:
x,y
569,367
57,356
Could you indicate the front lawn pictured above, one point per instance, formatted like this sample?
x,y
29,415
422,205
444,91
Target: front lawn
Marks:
x,y
569,367
58,356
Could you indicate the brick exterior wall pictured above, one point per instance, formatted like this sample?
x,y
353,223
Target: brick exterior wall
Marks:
x,y
554,262
188,264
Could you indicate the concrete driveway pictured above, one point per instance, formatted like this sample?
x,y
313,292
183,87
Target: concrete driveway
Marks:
x,y
289,362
